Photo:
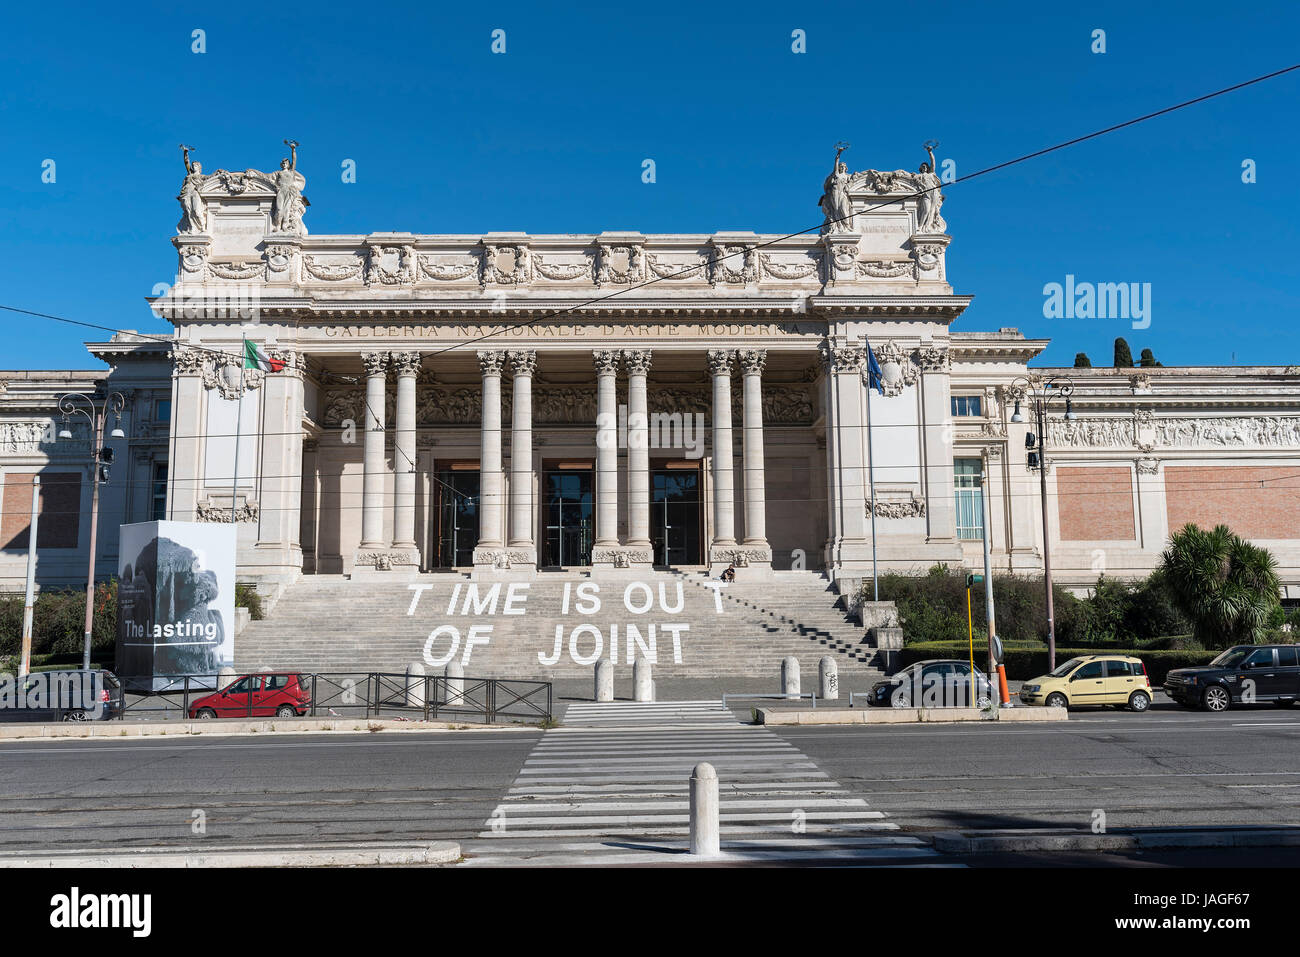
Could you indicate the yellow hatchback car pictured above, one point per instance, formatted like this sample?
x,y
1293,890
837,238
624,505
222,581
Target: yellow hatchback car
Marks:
x,y
1092,680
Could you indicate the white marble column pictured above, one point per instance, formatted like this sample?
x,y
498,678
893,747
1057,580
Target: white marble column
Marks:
x,y
372,491
606,449
724,525
638,455
753,482
491,531
407,367
523,363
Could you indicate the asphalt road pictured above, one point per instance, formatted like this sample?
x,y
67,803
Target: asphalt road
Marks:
x,y
1165,767
289,788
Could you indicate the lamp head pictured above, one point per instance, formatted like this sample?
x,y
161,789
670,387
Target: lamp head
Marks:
x,y
1015,415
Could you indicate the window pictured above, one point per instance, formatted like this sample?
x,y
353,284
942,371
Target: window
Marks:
x,y
1286,657
967,405
1261,658
162,410
159,492
969,475
1120,669
1092,669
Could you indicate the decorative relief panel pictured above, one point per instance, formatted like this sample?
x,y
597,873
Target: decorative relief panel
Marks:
x,y
678,271
620,265
733,264
332,272
564,271
447,272
210,511
1269,431
506,265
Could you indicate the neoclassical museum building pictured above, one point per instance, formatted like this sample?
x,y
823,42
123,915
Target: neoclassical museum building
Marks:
x,y
505,404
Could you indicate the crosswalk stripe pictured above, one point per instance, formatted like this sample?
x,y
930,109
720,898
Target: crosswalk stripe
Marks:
x,y
609,788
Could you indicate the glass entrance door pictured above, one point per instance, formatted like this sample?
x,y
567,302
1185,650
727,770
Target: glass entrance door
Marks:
x,y
457,494
675,515
569,516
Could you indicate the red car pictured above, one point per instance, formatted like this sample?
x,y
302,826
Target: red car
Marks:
x,y
257,696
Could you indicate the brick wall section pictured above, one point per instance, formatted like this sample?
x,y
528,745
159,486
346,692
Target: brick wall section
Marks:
x,y
59,510
1095,504
1254,501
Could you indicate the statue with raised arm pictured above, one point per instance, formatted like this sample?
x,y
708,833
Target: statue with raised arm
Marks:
x,y
194,211
835,202
930,199
289,203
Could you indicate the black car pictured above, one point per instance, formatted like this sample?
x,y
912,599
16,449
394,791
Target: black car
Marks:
x,y
1244,674
933,684
62,695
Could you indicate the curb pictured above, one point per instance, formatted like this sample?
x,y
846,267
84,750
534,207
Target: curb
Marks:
x,y
1025,841
294,855
778,716
116,730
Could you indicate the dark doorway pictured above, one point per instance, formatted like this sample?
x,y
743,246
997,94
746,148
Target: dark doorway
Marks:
x,y
567,515
675,513
456,492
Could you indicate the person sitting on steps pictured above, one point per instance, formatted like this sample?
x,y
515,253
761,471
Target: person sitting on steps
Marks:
x,y
729,573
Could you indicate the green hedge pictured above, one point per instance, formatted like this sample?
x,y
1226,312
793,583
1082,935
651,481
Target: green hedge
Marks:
x,y
1024,662
59,621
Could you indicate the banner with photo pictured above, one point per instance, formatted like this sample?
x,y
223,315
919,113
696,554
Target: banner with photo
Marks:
x,y
176,603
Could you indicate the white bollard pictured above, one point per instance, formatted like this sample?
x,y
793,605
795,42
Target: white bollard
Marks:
x,y
642,684
790,676
455,675
415,685
604,680
705,838
829,673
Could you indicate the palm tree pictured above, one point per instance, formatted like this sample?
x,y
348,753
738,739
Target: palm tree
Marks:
x,y
1222,583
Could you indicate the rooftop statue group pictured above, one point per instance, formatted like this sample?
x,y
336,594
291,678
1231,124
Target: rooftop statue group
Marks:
x,y
838,207
287,183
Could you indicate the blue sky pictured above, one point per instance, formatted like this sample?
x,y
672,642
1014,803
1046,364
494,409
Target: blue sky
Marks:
x,y
550,137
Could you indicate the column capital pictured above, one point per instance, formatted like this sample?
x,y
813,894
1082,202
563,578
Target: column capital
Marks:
x,y
375,363
606,361
637,361
752,360
523,362
719,361
844,359
490,362
406,363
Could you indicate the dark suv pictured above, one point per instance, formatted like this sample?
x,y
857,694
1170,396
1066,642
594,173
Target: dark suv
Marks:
x,y
1244,674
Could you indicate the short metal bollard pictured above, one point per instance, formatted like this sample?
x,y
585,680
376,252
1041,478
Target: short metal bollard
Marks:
x,y
705,836
604,680
455,675
790,675
829,673
415,685
643,687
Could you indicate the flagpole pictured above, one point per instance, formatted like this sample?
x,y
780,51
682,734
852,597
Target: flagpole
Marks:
x,y
871,482
239,421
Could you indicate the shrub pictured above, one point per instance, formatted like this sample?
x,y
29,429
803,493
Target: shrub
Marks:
x,y
1228,588
58,621
247,596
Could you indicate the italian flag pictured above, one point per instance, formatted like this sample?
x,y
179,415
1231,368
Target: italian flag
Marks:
x,y
255,358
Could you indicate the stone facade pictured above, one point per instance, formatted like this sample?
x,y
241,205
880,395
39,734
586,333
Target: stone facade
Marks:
x,y
402,363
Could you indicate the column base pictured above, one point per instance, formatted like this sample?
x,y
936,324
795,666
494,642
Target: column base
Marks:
x,y
622,558
385,560
755,560
511,561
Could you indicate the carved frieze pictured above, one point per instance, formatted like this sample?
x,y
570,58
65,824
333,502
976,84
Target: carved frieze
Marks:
x,y
913,507
734,264
680,271
564,271
332,272
787,271
210,511
886,269
1267,431
620,265
506,265
447,272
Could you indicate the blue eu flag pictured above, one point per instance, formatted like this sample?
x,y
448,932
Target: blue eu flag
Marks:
x,y
875,379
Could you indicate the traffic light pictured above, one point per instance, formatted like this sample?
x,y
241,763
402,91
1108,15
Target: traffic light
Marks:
x,y
105,456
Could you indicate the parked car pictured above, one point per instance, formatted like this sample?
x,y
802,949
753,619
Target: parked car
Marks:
x,y
1092,680
65,694
1244,674
933,684
280,695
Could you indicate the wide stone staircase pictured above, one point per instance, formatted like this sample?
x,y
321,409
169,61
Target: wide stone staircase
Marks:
x,y
327,623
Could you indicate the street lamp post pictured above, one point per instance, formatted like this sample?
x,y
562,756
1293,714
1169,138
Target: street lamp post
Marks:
x,y
101,459
1041,397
